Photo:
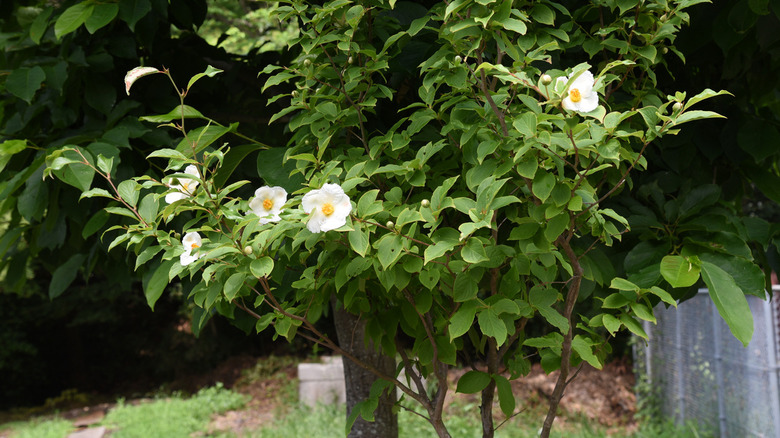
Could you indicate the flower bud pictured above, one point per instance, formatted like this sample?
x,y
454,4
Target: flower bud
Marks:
x,y
350,60
458,59
295,93
173,181
546,79
248,250
665,50
425,203
306,62
677,106
390,224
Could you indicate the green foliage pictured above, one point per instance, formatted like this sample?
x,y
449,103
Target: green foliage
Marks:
x,y
495,155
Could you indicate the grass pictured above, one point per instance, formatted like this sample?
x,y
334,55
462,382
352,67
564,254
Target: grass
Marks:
x,y
462,421
172,417
54,428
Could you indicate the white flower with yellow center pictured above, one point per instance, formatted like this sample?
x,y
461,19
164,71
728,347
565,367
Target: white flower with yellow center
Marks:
x,y
327,207
267,203
192,243
580,96
184,187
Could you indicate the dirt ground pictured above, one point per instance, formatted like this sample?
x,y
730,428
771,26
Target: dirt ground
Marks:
x,y
603,396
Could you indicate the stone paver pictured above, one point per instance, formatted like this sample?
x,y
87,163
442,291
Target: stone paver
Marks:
x,y
92,432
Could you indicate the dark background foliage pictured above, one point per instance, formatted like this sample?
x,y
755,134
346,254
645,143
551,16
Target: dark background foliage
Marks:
x,y
99,335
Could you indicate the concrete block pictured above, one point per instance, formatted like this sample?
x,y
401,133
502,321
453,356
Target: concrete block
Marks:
x,y
93,432
322,382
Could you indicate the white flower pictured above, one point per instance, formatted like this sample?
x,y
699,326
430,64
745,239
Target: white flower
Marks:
x,y
185,186
328,208
580,95
267,203
192,243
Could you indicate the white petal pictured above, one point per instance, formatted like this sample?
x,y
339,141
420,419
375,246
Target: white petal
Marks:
x,y
568,104
192,170
332,222
190,239
315,221
172,197
186,258
313,199
588,103
584,82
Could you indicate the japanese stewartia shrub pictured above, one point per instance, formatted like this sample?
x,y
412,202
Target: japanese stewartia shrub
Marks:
x,y
448,177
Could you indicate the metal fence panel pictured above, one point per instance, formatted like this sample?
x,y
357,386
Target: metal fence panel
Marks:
x,y
701,373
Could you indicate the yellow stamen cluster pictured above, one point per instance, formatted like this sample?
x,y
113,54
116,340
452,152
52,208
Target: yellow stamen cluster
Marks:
x,y
575,95
268,204
327,209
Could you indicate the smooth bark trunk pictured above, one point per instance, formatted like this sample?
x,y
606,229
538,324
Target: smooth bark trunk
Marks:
x,y
351,335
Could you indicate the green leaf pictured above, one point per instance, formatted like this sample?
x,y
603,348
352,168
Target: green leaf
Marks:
x,y
706,94
233,285
40,24
262,267
64,275
24,82
210,72
199,138
464,288
473,251
472,382
10,148
181,111
611,323
730,301
543,185
690,116
94,223
130,11
584,349
101,16
665,296
233,158
389,249
680,271
72,18
552,340
275,173
506,398
157,281
128,190
643,312
615,301
149,207
96,192
492,325
633,326
622,284
358,240
462,319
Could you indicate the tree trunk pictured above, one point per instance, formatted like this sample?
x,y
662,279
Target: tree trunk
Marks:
x,y
351,335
